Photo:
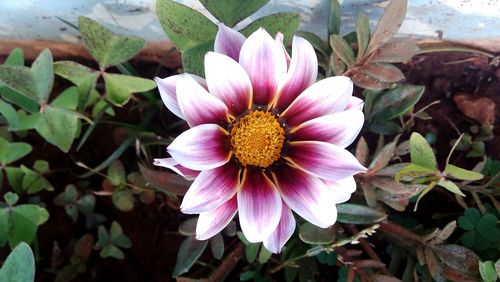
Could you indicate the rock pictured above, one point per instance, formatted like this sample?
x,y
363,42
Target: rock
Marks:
x,y
480,109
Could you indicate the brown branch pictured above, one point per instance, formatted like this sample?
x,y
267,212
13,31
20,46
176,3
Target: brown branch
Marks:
x,y
228,264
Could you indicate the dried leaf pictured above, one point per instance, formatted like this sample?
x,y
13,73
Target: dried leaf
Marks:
x,y
367,82
395,52
458,257
389,24
362,151
164,181
383,72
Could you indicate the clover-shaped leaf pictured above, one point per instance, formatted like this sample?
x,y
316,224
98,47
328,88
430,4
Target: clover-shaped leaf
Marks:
x,y
119,87
11,152
19,265
111,242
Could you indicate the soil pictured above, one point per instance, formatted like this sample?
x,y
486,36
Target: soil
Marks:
x,y
153,228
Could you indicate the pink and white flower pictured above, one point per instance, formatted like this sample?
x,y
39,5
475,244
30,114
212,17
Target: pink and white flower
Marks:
x,y
265,138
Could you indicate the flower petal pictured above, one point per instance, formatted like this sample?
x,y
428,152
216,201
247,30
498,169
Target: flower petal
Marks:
x,y
228,81
265,63
283,232
339,128
279,38
197,105
323,160
324,97
306,195
228,42
168,93
301,74
211,189
212,222
341,189
259,204
355,102
172,164
201,147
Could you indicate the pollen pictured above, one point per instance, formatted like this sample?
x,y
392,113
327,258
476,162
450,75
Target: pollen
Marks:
x,y
257,139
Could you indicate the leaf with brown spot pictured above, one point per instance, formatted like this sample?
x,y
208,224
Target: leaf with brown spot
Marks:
x,y
383,72
388,25
166,182
458,257
395,52
367,82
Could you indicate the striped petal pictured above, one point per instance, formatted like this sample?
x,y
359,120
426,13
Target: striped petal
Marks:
x,y
263,59
228,42
324,97
211,189
323,160
172,164
301,74
197,105
201,147
283,232
168,93
306,195
212,222
228,81
259,205
339,128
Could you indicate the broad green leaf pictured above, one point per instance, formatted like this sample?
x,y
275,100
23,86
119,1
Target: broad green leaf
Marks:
x,y
41,166
15,58
20,80
23,222
465,223
102,237
43,76
396,101
11,198
68,99
85,78
113,251
20,100
342,49
286,23
487,227
193,58
68,196
462,174
413,171
333,17
189,252
450,186
19,265
11,152
123,199
217,246
362,33
119,87
188,227
251,251
86,204
34,182
106,47
15,177
473,215
231,12
421,153
10,114
312,234
388,25
62,125
358,214
383,72
116,173
487,270
117,237
184,26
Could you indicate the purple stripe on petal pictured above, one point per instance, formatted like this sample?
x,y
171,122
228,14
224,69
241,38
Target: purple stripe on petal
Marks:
x,y
197,105
264,60
340,128
228,81
341,189
202,147
211,189
172,164
324,97
228,42
301,74
259,205
168,93
306,195
323,160
283,232
212,222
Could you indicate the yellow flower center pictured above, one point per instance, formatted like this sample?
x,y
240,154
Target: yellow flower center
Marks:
x,y
257,139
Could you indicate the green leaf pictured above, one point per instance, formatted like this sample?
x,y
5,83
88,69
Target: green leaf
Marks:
x,y
264,255
388,25
465,223
487,227
193,58
85,78
396,101
217,246
119,87
342,49
251,251
117,236
113,251
11,198
43,76
106,47
473,215
15,58
102,237
424,192
22,222
116,173
312,234
231,12
413,171
286,23
189,252
315,41
68,196
62,125
10,114
362,33
20,80
86,204
421,152
19,265
15,177
11,152
462,174
357,214
487,270
450,186
335,64
334,19
34,182
184,26
123,199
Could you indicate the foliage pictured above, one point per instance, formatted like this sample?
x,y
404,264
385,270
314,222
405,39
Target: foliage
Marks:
x,y
19,265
